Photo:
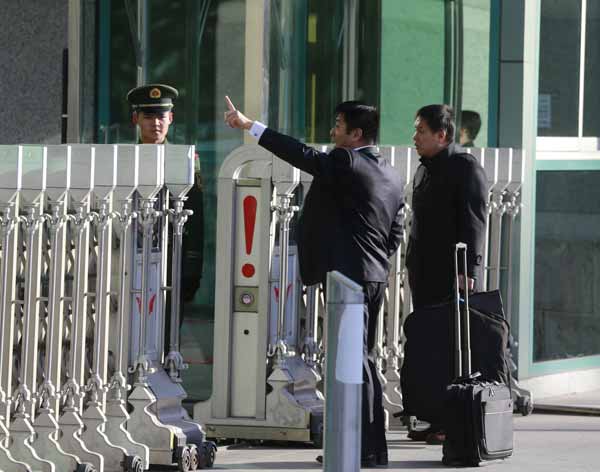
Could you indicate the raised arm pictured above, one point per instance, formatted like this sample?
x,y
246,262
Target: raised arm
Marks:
x,y
306,158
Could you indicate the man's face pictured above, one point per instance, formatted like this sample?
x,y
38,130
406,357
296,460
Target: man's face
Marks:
x,y
339,133
428,142
153,126
463,136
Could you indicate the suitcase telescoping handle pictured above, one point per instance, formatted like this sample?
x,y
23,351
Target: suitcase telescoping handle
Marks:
x,y
462,337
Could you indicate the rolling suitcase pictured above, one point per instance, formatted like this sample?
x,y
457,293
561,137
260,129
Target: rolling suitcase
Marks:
x,y
428,365
478,419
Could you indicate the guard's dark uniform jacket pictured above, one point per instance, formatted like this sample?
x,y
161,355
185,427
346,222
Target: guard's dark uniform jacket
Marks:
x,y
351,220
193,242
192,249
449,205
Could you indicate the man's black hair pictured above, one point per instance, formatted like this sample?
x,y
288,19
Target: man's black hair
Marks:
x,y
471,122
360,115
439,117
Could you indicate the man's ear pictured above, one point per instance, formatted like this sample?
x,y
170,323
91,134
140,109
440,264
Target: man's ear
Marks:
x,y
170,117
357,133
134,118
442,136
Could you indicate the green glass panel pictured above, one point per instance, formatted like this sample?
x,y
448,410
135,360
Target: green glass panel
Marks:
x,y
560,42
591,118
567,265
412,64
476,62
196,46
324,75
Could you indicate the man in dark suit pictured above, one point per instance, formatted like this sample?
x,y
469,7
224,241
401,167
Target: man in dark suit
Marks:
x,y
351,222
449,205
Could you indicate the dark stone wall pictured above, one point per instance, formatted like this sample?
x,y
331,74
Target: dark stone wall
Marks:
x,y
33,36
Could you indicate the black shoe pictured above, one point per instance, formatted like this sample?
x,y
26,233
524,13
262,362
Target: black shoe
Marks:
x,y
381,458
372,460
436,439
369,461
419,434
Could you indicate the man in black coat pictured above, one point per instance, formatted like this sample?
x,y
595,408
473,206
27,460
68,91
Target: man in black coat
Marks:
x,y
351,222
449,205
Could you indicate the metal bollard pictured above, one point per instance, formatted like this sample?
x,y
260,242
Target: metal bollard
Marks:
x,y
344,378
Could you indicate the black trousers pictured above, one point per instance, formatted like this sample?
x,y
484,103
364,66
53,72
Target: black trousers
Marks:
x,y
373,433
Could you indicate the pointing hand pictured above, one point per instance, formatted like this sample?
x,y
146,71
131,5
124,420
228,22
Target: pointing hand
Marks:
x,y
235,118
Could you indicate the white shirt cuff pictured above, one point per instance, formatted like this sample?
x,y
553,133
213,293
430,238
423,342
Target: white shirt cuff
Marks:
x,y
257,129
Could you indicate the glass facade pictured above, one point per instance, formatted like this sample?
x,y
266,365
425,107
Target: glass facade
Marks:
x,y
591,105
569,65
412,64
475,87
560,39
197,47
567,265
396,55
434,51
566,321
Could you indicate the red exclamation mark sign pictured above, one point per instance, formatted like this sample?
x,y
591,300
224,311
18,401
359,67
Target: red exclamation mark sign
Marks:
x,y
250,205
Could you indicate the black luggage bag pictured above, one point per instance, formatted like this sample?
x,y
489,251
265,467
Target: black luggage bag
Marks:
x,y
479,414
428,366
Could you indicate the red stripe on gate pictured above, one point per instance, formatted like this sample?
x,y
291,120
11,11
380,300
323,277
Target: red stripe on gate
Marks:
x,y
250,205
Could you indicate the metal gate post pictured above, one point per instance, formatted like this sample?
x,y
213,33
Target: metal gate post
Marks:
x,y
116,409
144,424
10,185
116,457
401,159
178,188
71,425
33,169
310,346
497,217
344,374
46,426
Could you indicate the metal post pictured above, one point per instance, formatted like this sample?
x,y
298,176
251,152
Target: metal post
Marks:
x,y
46,425
147,219
174,360
344,378
32,174
94,435
116,408
285,211
310,347
70,421
7,226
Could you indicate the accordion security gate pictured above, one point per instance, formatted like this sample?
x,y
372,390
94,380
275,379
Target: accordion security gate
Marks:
x,y
73,269
268,355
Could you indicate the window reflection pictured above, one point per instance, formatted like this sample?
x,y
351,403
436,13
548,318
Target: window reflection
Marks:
x,y
591,119
560,37
567,265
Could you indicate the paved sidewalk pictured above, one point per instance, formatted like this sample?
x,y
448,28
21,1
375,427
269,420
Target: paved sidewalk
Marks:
x,y
588,402
543,443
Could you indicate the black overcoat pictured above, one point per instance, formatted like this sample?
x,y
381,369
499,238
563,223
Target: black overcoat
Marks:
x,y
352,219
449,205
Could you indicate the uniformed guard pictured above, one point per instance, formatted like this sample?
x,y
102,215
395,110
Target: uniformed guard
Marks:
x,y
152,112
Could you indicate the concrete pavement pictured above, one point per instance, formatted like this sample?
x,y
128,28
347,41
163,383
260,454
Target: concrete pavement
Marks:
x,y
543,443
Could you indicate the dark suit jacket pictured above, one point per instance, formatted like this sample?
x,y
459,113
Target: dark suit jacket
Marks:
x,y
351,220
449,206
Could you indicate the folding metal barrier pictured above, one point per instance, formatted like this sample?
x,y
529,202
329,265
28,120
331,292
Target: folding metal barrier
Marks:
x,y
262,386
69,272
253,396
